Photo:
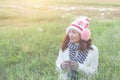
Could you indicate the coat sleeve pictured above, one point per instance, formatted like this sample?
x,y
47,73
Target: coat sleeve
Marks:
x,y
93,64
59,61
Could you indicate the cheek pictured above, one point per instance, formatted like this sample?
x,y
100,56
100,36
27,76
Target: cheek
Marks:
x,y
77,37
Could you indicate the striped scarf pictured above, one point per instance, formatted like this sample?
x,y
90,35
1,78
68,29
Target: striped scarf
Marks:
x,y
80,57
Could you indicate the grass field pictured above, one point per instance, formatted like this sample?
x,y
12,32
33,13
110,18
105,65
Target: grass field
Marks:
x,y
31,32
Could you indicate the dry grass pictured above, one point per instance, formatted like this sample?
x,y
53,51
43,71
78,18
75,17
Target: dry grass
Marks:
x,y
31,31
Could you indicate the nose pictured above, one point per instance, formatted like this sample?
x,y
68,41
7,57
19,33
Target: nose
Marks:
x,y
70,34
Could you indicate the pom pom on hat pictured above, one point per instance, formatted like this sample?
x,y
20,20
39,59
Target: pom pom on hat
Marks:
x,y
85,34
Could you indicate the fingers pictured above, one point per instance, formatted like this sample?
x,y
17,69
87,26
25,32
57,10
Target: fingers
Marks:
x,y
67,65
73,65
67,62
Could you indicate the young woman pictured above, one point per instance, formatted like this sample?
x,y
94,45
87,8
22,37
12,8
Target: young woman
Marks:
x,y
78,57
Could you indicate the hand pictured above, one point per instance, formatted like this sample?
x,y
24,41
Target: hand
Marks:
x,y
74,65
65,65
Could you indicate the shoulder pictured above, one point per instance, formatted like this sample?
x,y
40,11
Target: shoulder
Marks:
x,y
62,52
94,47
94,50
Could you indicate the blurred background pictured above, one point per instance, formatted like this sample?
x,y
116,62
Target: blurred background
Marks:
x,y
38,10
31,32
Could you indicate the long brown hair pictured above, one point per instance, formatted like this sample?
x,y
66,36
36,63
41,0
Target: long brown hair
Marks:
x,y
84,44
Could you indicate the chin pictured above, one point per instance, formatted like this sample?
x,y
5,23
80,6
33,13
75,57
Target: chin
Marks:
x,y
72,41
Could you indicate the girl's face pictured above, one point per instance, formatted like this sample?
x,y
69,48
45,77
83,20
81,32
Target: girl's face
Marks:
x,y
74,36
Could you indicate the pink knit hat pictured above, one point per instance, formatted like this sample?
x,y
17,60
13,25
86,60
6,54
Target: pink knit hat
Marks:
x,y
81,25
